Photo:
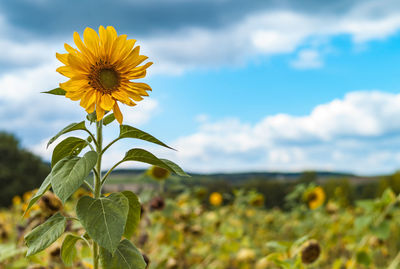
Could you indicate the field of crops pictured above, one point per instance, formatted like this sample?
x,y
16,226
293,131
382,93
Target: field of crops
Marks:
x,y
196,229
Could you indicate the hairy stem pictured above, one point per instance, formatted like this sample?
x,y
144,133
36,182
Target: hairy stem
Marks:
x,y
97,182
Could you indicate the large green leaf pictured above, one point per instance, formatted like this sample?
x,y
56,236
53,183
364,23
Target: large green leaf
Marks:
x,y
126,131
70,172
133,219
56,91
69,128
45,234
127,256
46,184
68,249
177,170
104,218
108,119
71,146
141,155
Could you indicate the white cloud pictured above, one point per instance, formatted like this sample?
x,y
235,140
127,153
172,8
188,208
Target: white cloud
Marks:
x,y
307,59
141,113
358,133
270,33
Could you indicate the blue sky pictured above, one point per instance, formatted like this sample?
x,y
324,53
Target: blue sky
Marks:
x,y
237,85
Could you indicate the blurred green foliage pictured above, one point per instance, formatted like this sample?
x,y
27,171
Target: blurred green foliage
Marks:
x,y
20,170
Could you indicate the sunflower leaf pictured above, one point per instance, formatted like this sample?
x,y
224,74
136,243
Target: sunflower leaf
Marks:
x,y
177,170
68,250
126,131
108,119
70,172
56,91
141,155
45,234
104,218
71,146
127,256
69,128
46,184
133,219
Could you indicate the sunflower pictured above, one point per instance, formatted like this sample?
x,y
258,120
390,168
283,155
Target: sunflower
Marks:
x,y
100,71
310,251
315,197
158,173
215,199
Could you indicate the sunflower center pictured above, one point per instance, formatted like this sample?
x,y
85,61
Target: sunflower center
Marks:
x,y
103,77
312,197
108,78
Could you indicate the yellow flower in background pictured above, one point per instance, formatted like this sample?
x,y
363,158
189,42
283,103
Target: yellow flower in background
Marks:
x,y
215,198
101,69
158,173
16,200
257,200
315,197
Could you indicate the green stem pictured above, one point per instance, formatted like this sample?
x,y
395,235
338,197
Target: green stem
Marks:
x,y
97,185
97,182
92,136
88,186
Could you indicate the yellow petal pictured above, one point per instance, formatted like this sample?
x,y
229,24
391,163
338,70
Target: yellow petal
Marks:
x,y
127,48
106,102
70,49
88,99
90,108
85,51
117,113
66,71
73,85
116,48
104,42
62,58
136,97
91,40
112,32
75,96
136,75
99,112
121,96
137,72
78,63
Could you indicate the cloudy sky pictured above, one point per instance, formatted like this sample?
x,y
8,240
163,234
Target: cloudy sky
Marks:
x,y
238,85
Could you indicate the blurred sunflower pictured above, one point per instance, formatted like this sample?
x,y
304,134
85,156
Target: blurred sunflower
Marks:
x,y
101,69
315,197
310,251
158,173
215,198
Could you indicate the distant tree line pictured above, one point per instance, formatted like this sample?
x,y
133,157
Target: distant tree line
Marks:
x,y
20,170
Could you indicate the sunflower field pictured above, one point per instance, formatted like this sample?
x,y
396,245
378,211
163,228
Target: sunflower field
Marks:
x,y
199,229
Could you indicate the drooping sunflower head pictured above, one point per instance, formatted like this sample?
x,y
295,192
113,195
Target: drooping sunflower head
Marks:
x,y
314,197
310,251
158,173
101,71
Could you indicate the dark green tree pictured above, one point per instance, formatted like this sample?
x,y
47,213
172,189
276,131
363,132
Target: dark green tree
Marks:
x,y
20,170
